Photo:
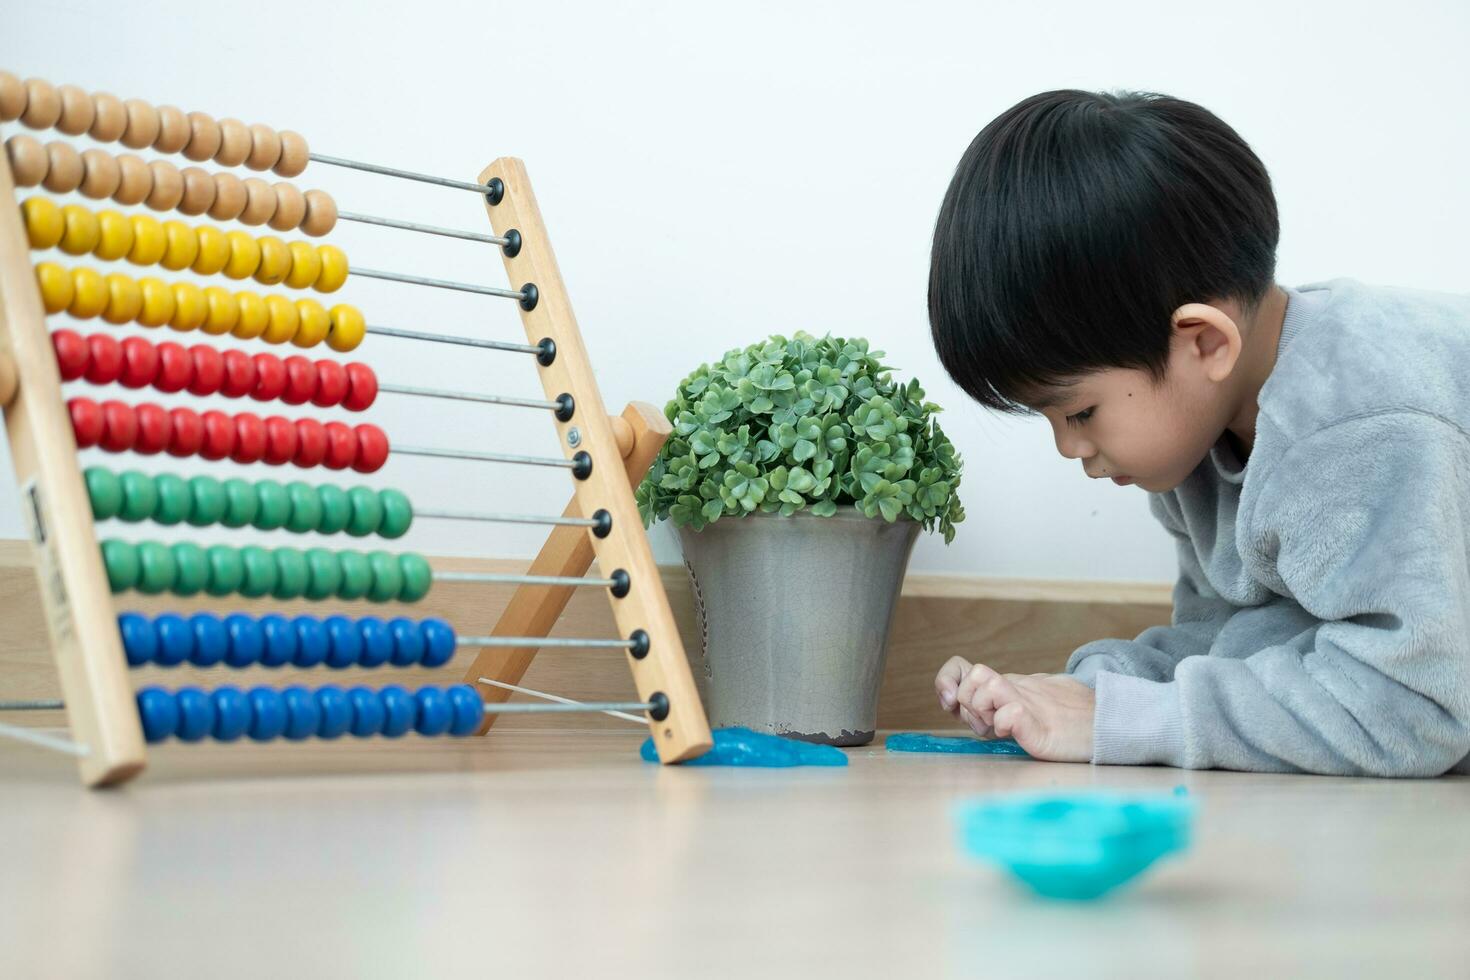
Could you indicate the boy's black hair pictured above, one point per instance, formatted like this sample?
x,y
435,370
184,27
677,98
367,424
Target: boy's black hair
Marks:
x,y
1076,223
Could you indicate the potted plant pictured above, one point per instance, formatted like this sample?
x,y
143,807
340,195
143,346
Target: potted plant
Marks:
x,y
798,476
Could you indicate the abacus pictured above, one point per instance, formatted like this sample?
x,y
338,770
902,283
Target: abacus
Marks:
x,y
93,646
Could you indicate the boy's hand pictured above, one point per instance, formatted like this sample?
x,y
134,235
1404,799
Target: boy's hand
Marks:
x,y
1049,715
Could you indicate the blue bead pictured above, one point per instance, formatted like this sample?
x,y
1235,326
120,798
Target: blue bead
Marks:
x,y
367,712
247,640
211,642
434,714
377,642
175,640
468,709
398,710
280,641
140,642
267,714
159,713
312,642
302,714
196,713
346,644
336,711
408,642
231,713
438,642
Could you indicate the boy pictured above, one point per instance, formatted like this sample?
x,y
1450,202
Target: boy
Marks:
x,y
1107,261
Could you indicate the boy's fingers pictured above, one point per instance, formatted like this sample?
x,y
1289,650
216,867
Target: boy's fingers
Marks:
x,y
947,681
973,679
1013,721
987,691
976,726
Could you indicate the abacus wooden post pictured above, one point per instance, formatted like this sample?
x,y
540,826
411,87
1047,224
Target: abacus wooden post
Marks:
x,y
74,588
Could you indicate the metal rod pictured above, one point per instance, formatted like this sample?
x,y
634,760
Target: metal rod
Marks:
x,y
483,457
506,578
374,168
560,700
537,709
54,742
462,341
465,396
541,641
45,705
469,236
464,287
463,515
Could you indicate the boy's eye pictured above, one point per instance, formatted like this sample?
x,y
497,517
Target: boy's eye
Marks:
x,y
1080,417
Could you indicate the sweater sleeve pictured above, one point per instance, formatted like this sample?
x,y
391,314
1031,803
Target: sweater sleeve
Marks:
x,y
1366,524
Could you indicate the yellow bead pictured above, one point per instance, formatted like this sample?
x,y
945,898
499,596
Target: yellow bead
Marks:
x,y
124,299
116,240
275,260
315,323
190,307
284,320
255,316
334,269
223,313
182,248
306,265
89,294
149,241
214,250
56,286
81,232
244,255
158,302
44,222
348,328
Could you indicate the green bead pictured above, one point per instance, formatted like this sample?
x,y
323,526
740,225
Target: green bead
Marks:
x,y
226,570
417,577
306,507
260,571
140,496
120,558
193,568
387,576
275,505
336,509
241,504
367,512
106,492
292,574
357,575
397,513
157,568
174,499
209,501
324,574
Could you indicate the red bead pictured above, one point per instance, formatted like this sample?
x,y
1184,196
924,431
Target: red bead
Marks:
x,y
311,443
372,449
104,359
270,378
341,446
331,384
175,367
209,370
239,374
140,363
219,435
71,354
186,434
362,386
280,440
249,438
86,421
154,429
300,381
119,427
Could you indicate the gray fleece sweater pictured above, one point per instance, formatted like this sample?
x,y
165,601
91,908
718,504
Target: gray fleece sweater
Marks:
x,y
1322,615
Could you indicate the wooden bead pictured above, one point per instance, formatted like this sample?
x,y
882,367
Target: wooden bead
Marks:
x,y
12,97
229,197
265,147
43,104
234,145
143,125
290,207
199,190
9,380
77,111
204,137
294,154
173,129
260,202
64,168
28,161
321,213
168,186
137,180
110,119
100,174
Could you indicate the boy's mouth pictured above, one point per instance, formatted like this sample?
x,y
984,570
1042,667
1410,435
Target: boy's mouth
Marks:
x,y
1123,481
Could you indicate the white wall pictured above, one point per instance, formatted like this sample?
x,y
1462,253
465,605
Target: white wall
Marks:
x,y
709,178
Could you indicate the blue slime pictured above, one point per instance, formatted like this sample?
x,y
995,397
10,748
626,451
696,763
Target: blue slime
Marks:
x,y
922,742
743,747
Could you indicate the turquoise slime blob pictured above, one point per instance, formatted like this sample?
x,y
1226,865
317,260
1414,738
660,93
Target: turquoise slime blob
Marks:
x,y
923,742
743,747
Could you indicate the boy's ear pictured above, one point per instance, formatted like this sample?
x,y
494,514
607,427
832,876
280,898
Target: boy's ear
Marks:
x,y
1210,338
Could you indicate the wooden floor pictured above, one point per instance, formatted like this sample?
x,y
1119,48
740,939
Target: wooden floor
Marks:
x,y
560,854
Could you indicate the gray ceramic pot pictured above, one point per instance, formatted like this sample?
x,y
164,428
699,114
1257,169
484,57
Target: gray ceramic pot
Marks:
x,y
794,615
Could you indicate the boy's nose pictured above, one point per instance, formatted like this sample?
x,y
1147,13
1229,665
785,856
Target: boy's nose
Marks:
x,y
1073,446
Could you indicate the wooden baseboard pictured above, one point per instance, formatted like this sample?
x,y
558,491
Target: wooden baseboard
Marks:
x,y
1015,626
